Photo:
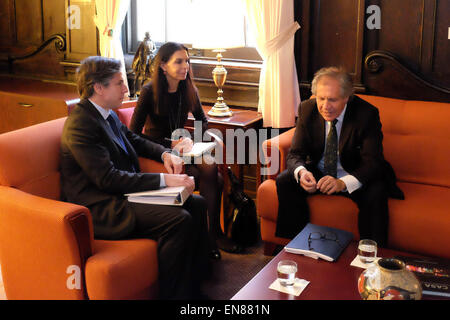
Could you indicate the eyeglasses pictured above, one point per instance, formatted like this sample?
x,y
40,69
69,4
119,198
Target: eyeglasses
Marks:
x,y
331,236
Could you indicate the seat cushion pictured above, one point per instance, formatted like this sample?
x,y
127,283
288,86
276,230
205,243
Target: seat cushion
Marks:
x,y
421,222
334,211
123,269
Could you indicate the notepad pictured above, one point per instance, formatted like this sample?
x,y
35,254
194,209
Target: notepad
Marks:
x,y
199,148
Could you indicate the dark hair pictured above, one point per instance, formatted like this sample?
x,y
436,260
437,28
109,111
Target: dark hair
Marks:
x,y
94,70
160,85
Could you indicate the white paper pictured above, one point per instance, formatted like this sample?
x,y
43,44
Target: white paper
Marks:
x,y
357,263
199,148
296,289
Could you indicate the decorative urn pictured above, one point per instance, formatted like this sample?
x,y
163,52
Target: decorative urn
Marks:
x,y
388,279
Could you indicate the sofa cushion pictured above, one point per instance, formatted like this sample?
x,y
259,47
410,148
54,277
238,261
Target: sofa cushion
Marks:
x,y
334,211
412,135
125,269
38,163
125,115
421,222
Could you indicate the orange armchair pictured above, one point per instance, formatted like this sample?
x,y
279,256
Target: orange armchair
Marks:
x,y
47,249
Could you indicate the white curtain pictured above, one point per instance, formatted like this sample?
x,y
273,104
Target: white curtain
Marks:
x,y
272,23
109,18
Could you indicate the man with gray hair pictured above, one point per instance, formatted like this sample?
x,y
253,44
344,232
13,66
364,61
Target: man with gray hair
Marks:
x,y
337,149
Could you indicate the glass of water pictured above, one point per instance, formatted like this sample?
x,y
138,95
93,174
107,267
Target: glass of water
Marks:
x,y
286,272
367,251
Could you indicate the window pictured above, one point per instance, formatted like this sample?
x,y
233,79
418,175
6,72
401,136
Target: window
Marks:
x,y
177,20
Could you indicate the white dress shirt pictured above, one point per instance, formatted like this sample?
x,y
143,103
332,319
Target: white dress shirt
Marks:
x,y
351,183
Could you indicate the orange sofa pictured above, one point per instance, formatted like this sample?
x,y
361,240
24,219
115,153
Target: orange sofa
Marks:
x,y
417,144
47,249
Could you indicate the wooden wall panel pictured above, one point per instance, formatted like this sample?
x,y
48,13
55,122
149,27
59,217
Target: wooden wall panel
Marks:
x,y
402,33
54,17
7,23
338,35
82,42
29,22
413,34
440,70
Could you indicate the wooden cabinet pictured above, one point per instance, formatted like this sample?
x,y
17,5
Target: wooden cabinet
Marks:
x,y
19,111
26,102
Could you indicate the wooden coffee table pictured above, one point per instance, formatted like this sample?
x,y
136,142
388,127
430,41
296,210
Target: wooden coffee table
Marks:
x,y
328,280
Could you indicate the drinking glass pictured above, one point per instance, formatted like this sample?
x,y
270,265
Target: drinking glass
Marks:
x,y
367,251
286,272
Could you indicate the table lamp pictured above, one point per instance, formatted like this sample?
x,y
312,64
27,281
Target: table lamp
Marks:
x,y
220,28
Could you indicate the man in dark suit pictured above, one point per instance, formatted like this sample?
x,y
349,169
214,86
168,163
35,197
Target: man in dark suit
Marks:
x,y
337,149
99,164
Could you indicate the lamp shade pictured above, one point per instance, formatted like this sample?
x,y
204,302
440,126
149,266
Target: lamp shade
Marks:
x,y
221,25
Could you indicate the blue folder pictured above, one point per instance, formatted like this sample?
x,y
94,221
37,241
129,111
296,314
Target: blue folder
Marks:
x,y
320,242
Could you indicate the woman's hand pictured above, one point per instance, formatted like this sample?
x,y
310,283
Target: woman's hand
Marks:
x,y
182,145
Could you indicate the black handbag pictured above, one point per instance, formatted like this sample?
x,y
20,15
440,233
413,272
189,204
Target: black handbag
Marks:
x,y
244,223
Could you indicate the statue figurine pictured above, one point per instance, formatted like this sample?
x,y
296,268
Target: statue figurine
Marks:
x,y
141,62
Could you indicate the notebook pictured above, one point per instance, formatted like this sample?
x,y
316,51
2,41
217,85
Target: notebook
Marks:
x,y
170,196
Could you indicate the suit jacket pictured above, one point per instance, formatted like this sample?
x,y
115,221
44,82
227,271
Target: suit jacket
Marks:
x,y
96,171
360,143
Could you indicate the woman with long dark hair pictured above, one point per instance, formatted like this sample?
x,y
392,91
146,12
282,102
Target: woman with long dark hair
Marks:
x,y
163,106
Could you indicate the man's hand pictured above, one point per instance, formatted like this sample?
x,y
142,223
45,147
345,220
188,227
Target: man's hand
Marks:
x,y
172,163
307,181
330,185
176,180
182,145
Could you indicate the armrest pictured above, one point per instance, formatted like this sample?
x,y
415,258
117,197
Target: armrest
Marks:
x,y
41,242
276,149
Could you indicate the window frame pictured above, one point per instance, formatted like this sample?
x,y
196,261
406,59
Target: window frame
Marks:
x,y
130,44
241,88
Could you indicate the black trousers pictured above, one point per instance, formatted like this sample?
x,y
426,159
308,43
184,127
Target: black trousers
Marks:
x,y
293,210
182,237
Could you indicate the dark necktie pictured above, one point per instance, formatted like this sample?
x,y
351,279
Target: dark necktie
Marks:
x,y
330,158
113,125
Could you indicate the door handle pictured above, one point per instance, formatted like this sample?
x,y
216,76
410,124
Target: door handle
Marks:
x,y
25,105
